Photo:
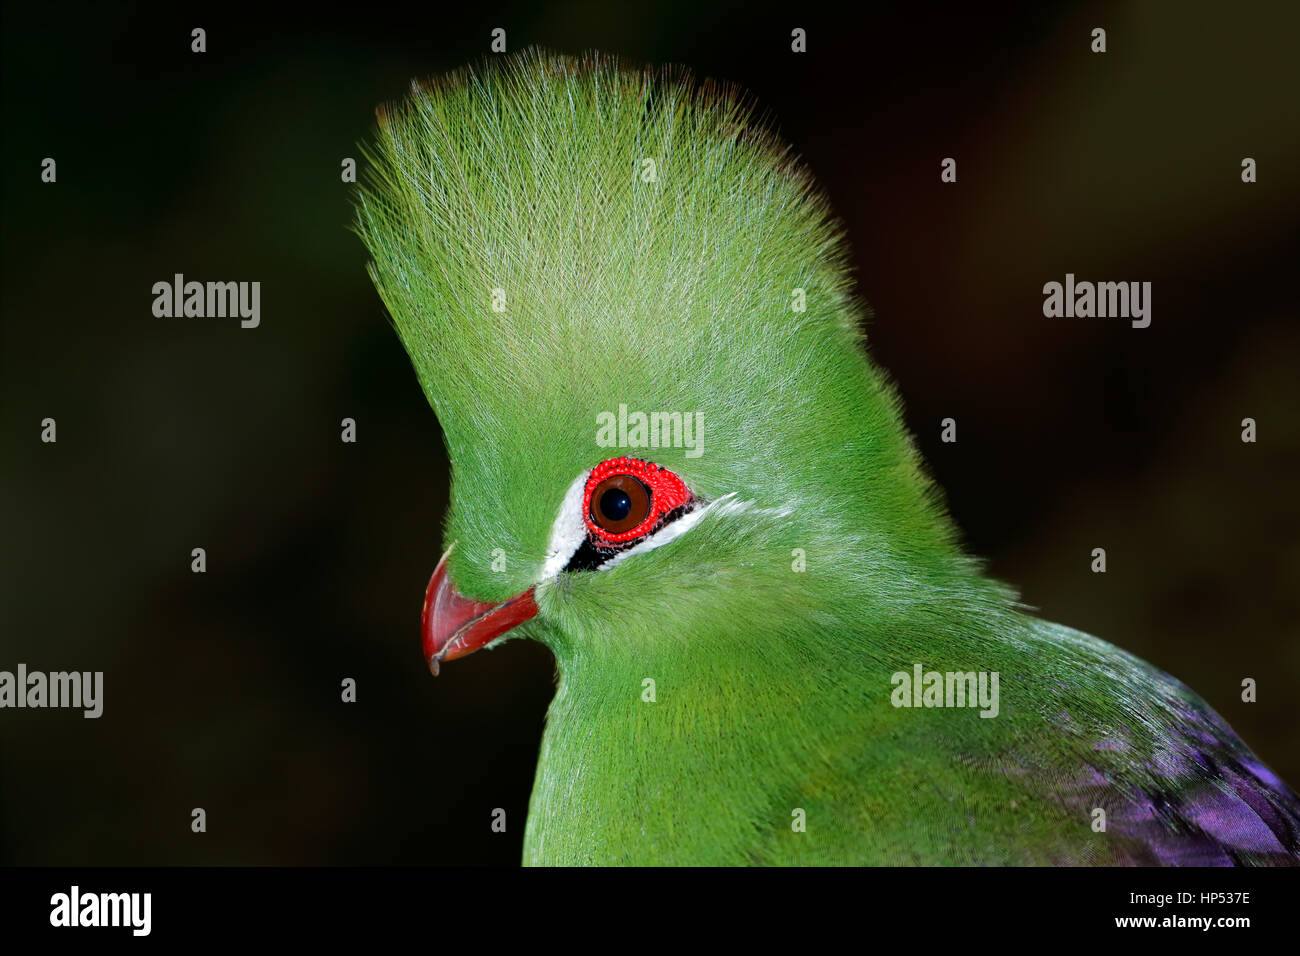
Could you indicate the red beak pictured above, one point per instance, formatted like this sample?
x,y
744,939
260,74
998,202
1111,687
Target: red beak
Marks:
x,y
453,626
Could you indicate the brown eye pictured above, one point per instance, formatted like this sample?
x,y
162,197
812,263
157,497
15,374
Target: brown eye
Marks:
x,y
619,504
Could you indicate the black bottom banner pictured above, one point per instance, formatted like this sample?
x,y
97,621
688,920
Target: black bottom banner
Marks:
x,y
182,905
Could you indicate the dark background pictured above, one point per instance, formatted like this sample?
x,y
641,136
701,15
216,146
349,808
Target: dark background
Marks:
x,y
222,690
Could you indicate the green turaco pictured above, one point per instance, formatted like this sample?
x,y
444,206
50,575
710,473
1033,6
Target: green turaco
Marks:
x,y
674,465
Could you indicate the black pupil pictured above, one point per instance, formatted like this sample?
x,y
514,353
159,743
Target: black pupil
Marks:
x,y
615,504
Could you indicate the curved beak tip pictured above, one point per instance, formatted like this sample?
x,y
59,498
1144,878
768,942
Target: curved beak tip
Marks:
x,y
452,625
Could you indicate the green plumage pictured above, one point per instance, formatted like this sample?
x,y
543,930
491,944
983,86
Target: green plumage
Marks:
x,y
529,181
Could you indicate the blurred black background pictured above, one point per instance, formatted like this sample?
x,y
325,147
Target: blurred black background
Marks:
x,y
222,690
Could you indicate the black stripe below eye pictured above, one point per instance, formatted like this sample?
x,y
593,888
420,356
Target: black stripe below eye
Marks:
x,y
591,556
588,557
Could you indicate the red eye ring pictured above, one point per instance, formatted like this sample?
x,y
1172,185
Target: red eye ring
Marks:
x,y
667,493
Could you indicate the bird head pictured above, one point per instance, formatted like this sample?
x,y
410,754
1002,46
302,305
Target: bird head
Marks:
x,y
633,314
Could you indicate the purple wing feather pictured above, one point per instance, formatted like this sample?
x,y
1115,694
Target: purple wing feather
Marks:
x,y
1179,787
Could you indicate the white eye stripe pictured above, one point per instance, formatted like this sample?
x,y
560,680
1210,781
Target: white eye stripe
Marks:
x,y
667,533
569,530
